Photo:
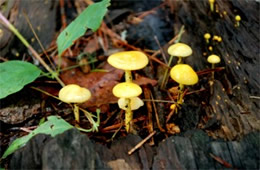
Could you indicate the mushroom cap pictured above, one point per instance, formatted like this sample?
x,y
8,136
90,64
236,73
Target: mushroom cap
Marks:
x,y
128,60
135,103
237,18
180,50
213,59
127,90
207,36
184,74
73,93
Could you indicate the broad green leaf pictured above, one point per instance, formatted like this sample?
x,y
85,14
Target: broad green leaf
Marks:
x,y
53,127
14,75
91,18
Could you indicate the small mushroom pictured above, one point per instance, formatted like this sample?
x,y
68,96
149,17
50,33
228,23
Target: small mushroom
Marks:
x,y
237,18
184,75
213,59
211,3
217,38
207,37
127,90
179,50
74,94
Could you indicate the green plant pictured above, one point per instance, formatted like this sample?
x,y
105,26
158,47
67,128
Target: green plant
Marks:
x,y
14,75
91,18
53,127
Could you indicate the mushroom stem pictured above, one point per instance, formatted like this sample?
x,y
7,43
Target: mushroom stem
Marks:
x,y
128,76
180,95
129,113
179,60
212,75
76,112
211,3
128,116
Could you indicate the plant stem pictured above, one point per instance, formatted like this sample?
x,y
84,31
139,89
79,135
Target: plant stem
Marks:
x,y
26,44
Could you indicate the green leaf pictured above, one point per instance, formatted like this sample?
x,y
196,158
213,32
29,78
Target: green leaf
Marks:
x,y
91,18
14,75
53,127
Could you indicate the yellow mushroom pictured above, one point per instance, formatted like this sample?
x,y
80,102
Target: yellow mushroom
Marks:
x,y
207,37
211,3
74,94
128,91
179,50
237,18
213,59
184,75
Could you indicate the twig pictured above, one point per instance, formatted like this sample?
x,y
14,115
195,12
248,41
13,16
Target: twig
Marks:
x,y
141,143
221,161
38,40
28,129
112,127
254,97
62,13
161,49
149,107
157,117
159,101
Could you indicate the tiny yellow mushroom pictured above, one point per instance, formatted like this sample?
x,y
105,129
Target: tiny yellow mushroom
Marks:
x,y
207,36
237,18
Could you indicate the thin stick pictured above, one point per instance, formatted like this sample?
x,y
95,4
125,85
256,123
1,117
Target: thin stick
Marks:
x,y
141,143
254,97
156,116
161,49
38,40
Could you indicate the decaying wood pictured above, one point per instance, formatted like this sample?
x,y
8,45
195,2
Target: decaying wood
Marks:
x,y
230,105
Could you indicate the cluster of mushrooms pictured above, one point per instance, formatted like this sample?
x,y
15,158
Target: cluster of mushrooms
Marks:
x,y
128,92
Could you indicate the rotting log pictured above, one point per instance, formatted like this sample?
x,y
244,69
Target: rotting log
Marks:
x,y
232,104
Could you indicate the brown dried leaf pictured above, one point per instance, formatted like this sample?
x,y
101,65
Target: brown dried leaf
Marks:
x,y
99,83
145,81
